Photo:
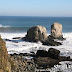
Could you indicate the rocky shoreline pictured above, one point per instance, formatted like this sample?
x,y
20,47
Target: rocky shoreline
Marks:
x,y
28,62
22,64
25,62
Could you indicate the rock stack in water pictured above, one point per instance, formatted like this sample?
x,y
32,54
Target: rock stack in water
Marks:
x,y
5,65
56,31
37,33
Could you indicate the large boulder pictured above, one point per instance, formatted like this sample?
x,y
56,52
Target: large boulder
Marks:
x,y
41,53
56,30
5,65
45,62
37,33
53,53
45,59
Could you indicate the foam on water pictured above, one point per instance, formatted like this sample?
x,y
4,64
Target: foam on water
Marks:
x,y
3,26
27,47
23,47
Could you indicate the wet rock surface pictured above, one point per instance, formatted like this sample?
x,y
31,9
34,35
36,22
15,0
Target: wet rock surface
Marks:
x,y
58,38
51,42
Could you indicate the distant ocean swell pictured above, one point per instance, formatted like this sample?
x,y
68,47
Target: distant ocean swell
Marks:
x,y
22,29
3,26
8,29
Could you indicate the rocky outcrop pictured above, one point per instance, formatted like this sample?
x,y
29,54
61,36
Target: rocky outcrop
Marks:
x,y
41,53
51,42
22,63
5,65
45,59
46,62
37,33
58,38
53,53
56,30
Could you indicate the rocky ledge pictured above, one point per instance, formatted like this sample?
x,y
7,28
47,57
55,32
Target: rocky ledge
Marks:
x,y
46,59
28,62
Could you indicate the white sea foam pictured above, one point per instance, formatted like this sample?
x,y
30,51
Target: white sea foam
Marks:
x,y
3,26
27,47
23,47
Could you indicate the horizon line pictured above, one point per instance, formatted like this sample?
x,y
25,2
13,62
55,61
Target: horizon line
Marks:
x,y
44,16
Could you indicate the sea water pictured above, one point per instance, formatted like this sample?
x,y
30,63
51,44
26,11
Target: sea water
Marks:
x,y
17,26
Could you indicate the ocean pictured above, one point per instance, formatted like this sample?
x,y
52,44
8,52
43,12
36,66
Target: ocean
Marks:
x,y
17,26
20,24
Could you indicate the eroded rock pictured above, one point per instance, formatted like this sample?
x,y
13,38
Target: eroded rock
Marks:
x,y
37,33
56,30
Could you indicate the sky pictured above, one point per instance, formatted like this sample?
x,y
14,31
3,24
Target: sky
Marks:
x,y
53,8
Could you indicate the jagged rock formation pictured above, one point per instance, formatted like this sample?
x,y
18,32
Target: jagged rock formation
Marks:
x,y
5,65
37,33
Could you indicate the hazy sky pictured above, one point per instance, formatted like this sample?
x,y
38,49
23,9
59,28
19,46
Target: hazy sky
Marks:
x,y
36,8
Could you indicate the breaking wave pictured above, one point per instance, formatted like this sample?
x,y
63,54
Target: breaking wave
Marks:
x,y
3,26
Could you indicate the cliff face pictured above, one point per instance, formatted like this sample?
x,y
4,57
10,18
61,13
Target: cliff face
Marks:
x,y
4,63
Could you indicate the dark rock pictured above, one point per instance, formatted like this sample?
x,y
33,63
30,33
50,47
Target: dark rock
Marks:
x,y
41,53
16,38
33,54
26,54
59,38
6,39
51,42
14,55
21,54
25,39
46,62
64,58
53,53
11,40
